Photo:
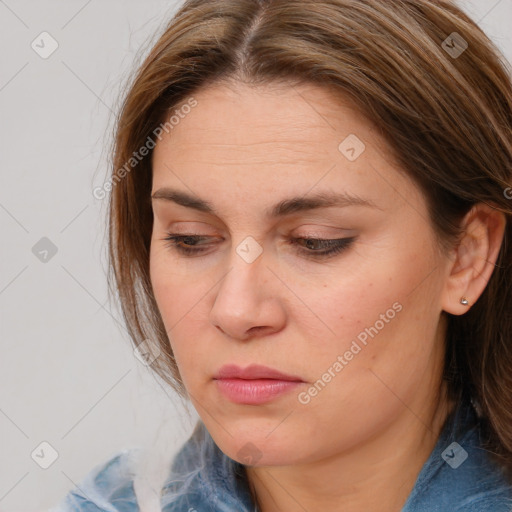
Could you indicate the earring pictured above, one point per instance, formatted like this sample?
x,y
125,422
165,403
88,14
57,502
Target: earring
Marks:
x,y
464,301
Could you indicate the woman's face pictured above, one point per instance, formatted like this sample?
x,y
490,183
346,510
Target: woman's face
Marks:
x,y
356,330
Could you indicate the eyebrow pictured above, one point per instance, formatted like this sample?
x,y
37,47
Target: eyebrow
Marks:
x,y
285,207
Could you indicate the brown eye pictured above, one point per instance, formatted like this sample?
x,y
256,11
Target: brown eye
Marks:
x,y
185,244
319,247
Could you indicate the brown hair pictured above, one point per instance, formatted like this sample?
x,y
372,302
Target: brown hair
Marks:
x,y
447,118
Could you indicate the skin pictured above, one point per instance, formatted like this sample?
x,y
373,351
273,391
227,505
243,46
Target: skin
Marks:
x,y
360,443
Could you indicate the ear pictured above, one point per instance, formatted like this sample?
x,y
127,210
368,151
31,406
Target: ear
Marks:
x,y
474,258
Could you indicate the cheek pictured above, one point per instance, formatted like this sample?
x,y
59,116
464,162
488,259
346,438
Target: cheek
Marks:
x,y
383,349
179,302
177,289
385,312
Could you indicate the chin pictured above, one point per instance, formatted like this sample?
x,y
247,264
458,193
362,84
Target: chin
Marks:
x,y
253,446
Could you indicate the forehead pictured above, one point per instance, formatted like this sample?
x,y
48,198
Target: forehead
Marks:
x,y
236,114
269,138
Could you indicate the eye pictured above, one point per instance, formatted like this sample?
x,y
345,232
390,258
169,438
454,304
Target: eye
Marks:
x,y
176,242
188,245
328,247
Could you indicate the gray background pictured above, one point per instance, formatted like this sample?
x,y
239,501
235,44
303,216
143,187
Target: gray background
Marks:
x,y
68,375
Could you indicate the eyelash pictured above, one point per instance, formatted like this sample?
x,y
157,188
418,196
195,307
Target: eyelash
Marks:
x,y
338,245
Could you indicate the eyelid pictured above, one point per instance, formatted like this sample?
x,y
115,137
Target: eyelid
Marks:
x,y
324,232
197,226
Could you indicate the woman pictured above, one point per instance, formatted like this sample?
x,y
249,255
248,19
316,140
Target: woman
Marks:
x,y
310,233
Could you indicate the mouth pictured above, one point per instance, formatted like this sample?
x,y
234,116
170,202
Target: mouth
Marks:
x,y
255,384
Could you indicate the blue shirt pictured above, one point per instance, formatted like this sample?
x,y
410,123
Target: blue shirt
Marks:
x,y
459,476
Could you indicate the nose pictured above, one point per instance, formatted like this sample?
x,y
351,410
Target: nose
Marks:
x,y
247,303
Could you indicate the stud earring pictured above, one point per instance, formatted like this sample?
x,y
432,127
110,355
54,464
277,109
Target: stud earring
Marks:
x,y
464,301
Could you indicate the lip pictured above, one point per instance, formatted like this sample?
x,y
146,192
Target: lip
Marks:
x,y
254,371
255,384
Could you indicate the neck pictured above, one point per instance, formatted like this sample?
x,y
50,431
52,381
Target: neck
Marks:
x,y
377,476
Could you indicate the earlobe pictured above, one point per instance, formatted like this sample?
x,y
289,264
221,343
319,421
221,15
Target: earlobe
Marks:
x,y
474,258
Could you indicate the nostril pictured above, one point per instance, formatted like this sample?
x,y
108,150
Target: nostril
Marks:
x,y
258,329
